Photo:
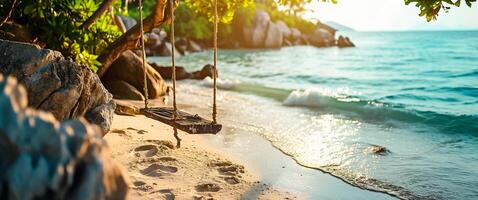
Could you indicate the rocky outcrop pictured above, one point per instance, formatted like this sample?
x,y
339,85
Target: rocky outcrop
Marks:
x,y
123,90
321,38
181,73
194,47
126,108
129,68
343,42
274,37
57,84
42,158
286,32
165,50
295,36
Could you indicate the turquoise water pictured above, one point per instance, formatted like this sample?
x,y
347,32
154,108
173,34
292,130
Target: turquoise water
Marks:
x,y
415,93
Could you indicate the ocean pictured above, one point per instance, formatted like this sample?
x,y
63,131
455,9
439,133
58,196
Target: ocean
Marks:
x,y
413,93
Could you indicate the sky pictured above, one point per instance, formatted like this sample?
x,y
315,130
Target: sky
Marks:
x,y
390,15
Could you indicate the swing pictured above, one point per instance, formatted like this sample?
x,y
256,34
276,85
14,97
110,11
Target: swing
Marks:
x,y
192,124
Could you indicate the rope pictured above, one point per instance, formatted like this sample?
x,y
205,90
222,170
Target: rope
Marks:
x,y
214,109
173,60
145,85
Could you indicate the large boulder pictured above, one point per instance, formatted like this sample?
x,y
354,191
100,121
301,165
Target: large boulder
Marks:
x,y
166,72
295,34
123,90
194,46
181,72
286,32
165,50
321,38
343,42
129,68
57,84
41,158
274,37
254,36
182,45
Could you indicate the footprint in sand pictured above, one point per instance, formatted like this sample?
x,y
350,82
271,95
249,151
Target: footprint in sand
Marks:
x,y
227,168
157,170
166,193
208,187
231,180
149,150
140,185
121,132
165,143
168,159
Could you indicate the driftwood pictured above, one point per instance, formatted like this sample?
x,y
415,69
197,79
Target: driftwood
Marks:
x,y
9,13
102,9
130,39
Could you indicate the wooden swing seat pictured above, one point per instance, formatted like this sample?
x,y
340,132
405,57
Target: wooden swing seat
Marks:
x,y
192,124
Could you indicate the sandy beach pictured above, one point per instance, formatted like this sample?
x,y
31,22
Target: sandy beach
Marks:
x,y
158,170
229,165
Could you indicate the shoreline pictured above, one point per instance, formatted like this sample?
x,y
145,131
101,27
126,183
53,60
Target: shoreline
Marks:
x,y
278,176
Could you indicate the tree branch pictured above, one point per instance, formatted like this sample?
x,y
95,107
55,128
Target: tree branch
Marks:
x,y
102,9
9,14
130,39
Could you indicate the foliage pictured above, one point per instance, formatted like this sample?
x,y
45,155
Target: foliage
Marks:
x,y
226,8
56,24
192,25
431,8
193,18
291,18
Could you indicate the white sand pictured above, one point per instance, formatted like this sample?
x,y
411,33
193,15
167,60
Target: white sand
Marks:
x,y
194,171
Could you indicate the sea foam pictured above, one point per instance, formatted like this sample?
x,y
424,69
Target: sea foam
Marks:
x,y
309,98
224,84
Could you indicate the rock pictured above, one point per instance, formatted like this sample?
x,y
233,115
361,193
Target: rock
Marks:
x,y
166,72
182,45
321,38
304,40
123,90
181,73
206,71
15,32
128,67
128,22
45,159
194,47
125,108
165,49
286,43
380,150
274,36
295,34
343,42
254,36
286,32
160,32
152,40
56,84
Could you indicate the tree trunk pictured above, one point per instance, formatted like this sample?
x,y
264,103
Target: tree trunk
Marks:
x,y
130,39
103,7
